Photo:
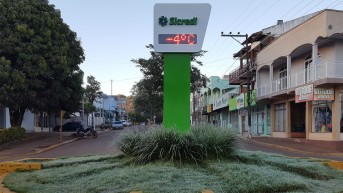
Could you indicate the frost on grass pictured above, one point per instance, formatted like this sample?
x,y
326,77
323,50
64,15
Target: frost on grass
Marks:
x,y
246,172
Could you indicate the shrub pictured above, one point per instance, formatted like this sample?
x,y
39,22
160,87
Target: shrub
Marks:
x,y
202,142
11,134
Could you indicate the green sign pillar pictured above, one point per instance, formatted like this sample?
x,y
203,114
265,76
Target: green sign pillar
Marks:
x,y
177,80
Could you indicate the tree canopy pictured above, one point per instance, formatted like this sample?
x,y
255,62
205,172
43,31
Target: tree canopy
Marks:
x,y
40,56
148,92
93,89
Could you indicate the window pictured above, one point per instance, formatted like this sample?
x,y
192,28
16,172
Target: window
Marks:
x,y
280,117
322,116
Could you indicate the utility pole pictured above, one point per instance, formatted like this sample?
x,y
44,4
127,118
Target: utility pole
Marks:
x,y
249,74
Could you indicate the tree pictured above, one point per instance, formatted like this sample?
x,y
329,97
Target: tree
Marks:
x,y
91,93
148,92
41,57
136,117
93,89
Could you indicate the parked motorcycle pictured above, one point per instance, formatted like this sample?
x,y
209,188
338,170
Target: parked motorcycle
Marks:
x,y
81,133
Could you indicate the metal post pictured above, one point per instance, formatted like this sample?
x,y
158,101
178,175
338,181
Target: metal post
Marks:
x,y
249,89
176,111
248,78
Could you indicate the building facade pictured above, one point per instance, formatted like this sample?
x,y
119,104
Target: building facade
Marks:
x,y
211,104
300,73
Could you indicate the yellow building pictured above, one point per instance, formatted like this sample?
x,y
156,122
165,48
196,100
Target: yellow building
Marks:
x,y
300,73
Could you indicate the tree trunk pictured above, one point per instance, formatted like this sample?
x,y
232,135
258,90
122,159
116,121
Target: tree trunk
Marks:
x,y
17,116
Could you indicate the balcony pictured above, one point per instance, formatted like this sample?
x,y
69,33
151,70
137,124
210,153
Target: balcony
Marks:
x,y
238,75
323,73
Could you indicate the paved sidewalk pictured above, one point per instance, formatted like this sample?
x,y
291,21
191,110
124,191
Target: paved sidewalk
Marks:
x,y
33,143
299,145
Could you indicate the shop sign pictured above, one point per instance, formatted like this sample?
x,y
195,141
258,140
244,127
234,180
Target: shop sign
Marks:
x,y
323,94
252,99
233,104
304,93
240,101
209,108
221,102
204,109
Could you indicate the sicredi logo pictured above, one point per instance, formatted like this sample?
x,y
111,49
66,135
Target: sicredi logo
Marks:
x,y
163,21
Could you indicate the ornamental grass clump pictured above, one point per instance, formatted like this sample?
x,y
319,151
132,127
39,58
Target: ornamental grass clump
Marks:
x,y
201,143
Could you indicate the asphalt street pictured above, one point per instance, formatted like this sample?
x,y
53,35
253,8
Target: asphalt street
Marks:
x,y
107,143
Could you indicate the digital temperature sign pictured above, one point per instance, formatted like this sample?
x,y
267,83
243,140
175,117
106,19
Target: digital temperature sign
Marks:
x,y
180,27
177,39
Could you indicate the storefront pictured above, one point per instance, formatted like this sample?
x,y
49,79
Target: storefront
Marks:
x,y
260,115
313,113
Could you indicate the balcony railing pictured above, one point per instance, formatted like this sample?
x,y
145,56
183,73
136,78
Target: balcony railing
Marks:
x,y
237,72
311,74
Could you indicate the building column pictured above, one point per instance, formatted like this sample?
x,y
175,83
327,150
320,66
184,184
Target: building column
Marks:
x,y
288,119
272,119
240,124
289,62
336,116
308,119
265,119
315,53
271,74
257,79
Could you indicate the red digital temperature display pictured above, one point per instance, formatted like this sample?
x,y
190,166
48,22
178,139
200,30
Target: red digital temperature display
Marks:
x,y
177,39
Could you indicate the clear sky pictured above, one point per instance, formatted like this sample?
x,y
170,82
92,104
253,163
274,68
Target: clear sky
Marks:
x,y
113,32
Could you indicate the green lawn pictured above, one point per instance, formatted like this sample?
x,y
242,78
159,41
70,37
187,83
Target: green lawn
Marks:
x,y
246,172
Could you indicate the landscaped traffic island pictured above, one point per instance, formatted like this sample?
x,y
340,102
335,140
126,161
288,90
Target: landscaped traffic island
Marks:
x,y
164,160
245,172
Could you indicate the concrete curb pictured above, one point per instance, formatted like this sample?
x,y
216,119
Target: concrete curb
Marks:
x,y
8,167
39,151
297,151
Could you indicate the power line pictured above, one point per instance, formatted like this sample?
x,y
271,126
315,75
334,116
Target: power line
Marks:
x,y
283,17
218,60
333,3
120,80
336,4
266,11
229,67
235,20
320,1
301,9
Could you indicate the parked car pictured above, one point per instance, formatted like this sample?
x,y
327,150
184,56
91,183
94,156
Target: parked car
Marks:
x,y
70,126
117,125
125,123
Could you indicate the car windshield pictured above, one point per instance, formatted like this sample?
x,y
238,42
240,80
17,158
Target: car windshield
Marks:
x,y
117,122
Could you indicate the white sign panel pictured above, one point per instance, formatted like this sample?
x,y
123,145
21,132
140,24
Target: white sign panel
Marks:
x,y
180,27
221,102
240,101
